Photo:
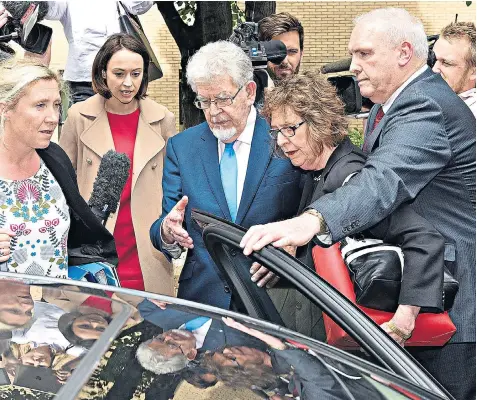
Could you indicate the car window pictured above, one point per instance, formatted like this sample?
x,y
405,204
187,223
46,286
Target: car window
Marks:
x,y
47,333
285,304
301,314
179,352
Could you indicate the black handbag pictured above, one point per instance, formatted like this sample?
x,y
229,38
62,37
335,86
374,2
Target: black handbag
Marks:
x,y
376,272
131,25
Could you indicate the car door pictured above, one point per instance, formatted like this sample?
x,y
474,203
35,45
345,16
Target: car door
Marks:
x,y
222,240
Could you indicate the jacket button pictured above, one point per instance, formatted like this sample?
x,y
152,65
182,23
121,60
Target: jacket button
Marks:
x,y
89,161
298,306
226,289
154,166
233,253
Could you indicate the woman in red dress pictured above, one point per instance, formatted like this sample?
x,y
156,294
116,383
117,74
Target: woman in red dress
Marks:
x,y
122,118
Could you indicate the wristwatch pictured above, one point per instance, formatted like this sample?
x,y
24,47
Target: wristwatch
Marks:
x,y
399,332
323,227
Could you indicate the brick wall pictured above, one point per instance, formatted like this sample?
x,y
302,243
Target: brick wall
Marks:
x,y
327,28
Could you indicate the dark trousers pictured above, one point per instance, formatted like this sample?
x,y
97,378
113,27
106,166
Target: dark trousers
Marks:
x,y
80,91
452,365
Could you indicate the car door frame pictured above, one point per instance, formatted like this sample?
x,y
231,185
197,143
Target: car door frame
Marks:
x,y
217,232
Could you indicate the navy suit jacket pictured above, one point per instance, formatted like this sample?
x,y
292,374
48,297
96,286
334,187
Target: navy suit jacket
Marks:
x,y
218,336
423,154
271,192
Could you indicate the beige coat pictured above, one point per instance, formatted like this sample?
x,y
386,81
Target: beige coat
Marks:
x,y
86,137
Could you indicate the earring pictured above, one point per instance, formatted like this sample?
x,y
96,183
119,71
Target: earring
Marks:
x,y
103,75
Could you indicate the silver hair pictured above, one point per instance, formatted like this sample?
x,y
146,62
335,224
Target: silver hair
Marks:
x,y
154,361
398,26
216,60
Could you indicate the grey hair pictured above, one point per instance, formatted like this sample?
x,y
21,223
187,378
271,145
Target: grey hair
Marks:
x,y
218,59
398,26
153,361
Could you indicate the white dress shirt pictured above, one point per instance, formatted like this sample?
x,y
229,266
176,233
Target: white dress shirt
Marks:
x,y
87,24
200,333
470,99
389,102
44,330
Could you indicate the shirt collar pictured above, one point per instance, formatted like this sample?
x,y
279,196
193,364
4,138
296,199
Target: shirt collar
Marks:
x,y
389,102
467,94
247,135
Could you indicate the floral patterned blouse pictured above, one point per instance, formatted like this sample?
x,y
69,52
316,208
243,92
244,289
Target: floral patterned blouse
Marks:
x,y
35,210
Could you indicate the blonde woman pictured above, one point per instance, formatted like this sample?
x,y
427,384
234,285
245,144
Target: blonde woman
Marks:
x,y
42,215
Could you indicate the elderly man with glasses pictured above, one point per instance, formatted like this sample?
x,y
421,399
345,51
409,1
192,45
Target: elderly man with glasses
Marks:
x,y
223,166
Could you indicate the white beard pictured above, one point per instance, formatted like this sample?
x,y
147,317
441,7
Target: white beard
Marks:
x,y
224,134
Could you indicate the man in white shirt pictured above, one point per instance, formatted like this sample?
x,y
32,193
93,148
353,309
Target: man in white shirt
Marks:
x,y
223,166
420,142
455,60
87,24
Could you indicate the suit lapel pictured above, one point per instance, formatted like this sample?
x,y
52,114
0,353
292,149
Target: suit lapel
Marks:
x,y
376,133
343,149
97,136
148,144
260,155
210,161
372,135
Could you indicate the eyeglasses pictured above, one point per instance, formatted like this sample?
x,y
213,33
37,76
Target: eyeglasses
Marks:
x,y
234,360
172,346
219,103
287,131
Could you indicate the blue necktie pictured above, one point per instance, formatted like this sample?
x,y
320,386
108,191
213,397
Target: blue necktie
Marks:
x,y
228,173
195,323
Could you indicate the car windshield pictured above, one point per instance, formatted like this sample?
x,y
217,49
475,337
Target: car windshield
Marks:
x,y
78,342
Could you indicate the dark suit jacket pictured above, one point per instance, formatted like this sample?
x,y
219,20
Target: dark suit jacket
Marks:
x,y
422,245
218,336
271,192
88,240
425,155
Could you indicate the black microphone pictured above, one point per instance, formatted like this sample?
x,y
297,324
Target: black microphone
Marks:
x,y
336,66
276,51
107,188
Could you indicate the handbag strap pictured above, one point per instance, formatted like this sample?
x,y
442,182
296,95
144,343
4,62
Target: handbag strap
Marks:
x,y
135,18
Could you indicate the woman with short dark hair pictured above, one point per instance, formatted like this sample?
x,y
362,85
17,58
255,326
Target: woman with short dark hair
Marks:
x,y
122,118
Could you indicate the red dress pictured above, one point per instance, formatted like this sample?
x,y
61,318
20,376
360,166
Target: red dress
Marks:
x,y
124,131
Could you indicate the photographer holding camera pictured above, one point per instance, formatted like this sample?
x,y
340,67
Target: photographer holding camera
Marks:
x,y
286,28
87,25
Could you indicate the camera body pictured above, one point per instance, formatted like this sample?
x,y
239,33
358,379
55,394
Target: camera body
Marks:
x,y
347,86
30,35
260,53
246,37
